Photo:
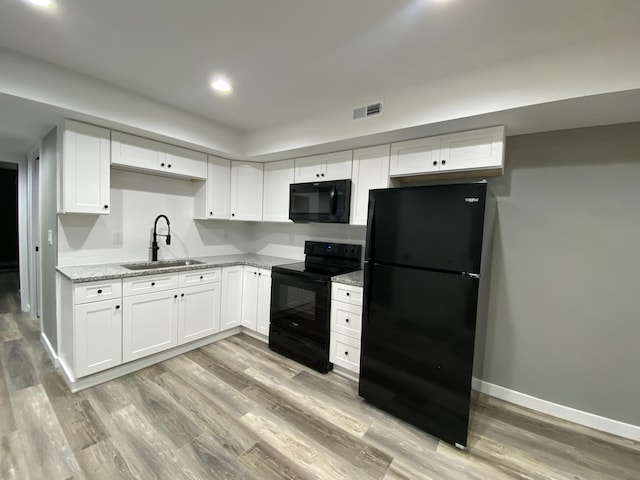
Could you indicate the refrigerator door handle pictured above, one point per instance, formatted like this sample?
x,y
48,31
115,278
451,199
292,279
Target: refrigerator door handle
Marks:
x,y
368,252
366,292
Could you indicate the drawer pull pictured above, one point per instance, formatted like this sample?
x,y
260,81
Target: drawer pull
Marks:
x,y
175,296
99,291
153,284
201,277
347,294
346,320
182,294
117,307
346,353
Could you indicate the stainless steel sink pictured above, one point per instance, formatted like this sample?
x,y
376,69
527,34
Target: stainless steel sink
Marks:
x,y
160,264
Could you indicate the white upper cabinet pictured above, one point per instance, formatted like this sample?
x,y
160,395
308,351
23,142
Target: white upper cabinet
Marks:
x,y
370,171
213,199
277,178
480,151
84,172
330,166
246,191
415,156
149,156
474,150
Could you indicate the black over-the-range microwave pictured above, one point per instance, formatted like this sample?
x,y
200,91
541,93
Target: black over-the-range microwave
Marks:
x,y
322,202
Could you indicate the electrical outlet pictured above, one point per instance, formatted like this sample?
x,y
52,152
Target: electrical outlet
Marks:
x,y
117,238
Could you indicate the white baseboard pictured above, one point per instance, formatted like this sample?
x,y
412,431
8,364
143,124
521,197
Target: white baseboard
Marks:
x,y
580,417
47,346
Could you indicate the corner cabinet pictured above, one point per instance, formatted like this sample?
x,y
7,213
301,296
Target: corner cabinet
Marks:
x,y
370,171
213,199
84,170
476,152
246,191
278,176
231,304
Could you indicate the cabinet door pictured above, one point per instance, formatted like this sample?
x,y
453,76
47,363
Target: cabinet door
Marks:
x,y
250,298
218,189
370,170
246,191
231,302
97,336
308,169
149,324
477,149
337,166
85,169
199,312
415,157
135,152
187,163
277,178
264,301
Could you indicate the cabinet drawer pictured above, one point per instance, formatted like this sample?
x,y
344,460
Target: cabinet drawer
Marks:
x,y
148,283
345,352
95,291
346,319
346,293
198,277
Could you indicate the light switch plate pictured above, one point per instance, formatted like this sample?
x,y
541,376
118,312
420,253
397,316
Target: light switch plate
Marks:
x,y
117,238
50,237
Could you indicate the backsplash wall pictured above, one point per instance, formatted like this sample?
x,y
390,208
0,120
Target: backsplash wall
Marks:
x,y
287,239
136,200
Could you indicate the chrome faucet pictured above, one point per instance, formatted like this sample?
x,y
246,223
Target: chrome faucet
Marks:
x,y
154,244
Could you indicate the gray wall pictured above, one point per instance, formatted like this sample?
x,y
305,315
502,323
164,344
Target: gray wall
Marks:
x,y
564,311
49,221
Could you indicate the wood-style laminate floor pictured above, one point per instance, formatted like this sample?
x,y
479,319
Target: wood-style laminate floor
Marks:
x,y
236,410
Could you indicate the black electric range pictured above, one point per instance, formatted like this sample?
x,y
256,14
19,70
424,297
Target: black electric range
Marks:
x,y
301,302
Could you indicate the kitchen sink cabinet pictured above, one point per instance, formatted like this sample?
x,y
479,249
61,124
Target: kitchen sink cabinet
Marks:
x,y
476,151
256,299
84,172
320,168
370,170
231,303
246,191
346,326
149,156
277,178
149,323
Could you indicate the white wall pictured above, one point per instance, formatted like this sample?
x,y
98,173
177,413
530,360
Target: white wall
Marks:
x,y
136,200
287,239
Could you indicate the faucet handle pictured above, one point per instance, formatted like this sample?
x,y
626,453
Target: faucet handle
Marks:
x,y
168,239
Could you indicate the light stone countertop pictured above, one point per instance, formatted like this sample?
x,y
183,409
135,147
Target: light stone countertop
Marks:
x,y
90,273
352,278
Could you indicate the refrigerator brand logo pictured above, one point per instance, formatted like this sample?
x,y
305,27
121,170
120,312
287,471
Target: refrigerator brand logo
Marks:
x,y
471,199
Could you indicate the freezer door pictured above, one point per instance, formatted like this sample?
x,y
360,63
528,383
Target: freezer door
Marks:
x,y
436,227
417,347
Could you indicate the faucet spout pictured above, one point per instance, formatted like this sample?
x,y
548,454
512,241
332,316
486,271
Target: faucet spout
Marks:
x,y
154,244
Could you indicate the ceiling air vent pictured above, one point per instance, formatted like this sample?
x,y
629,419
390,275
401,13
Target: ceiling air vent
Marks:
x,y
367,110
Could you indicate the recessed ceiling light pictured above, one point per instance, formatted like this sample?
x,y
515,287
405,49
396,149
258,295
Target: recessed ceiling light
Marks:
x,y
40,3
221,85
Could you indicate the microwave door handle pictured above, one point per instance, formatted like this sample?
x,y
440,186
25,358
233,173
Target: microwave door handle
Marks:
x,y
333,201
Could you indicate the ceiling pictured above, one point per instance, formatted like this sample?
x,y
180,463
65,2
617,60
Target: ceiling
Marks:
x,y
291,59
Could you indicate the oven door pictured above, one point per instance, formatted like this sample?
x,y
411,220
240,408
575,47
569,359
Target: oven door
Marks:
x,y
300,304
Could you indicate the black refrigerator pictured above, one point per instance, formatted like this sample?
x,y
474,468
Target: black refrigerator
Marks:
x,y
421,279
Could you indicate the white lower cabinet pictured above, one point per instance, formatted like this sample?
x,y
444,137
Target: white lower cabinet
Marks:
x,y
199,312
231,303
346,326
98,336
149,324
256,299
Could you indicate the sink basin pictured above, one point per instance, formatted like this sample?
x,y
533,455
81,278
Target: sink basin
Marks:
x,y
161,264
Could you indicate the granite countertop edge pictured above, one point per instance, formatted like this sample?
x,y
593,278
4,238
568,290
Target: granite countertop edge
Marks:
x,y
352,278
110,271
